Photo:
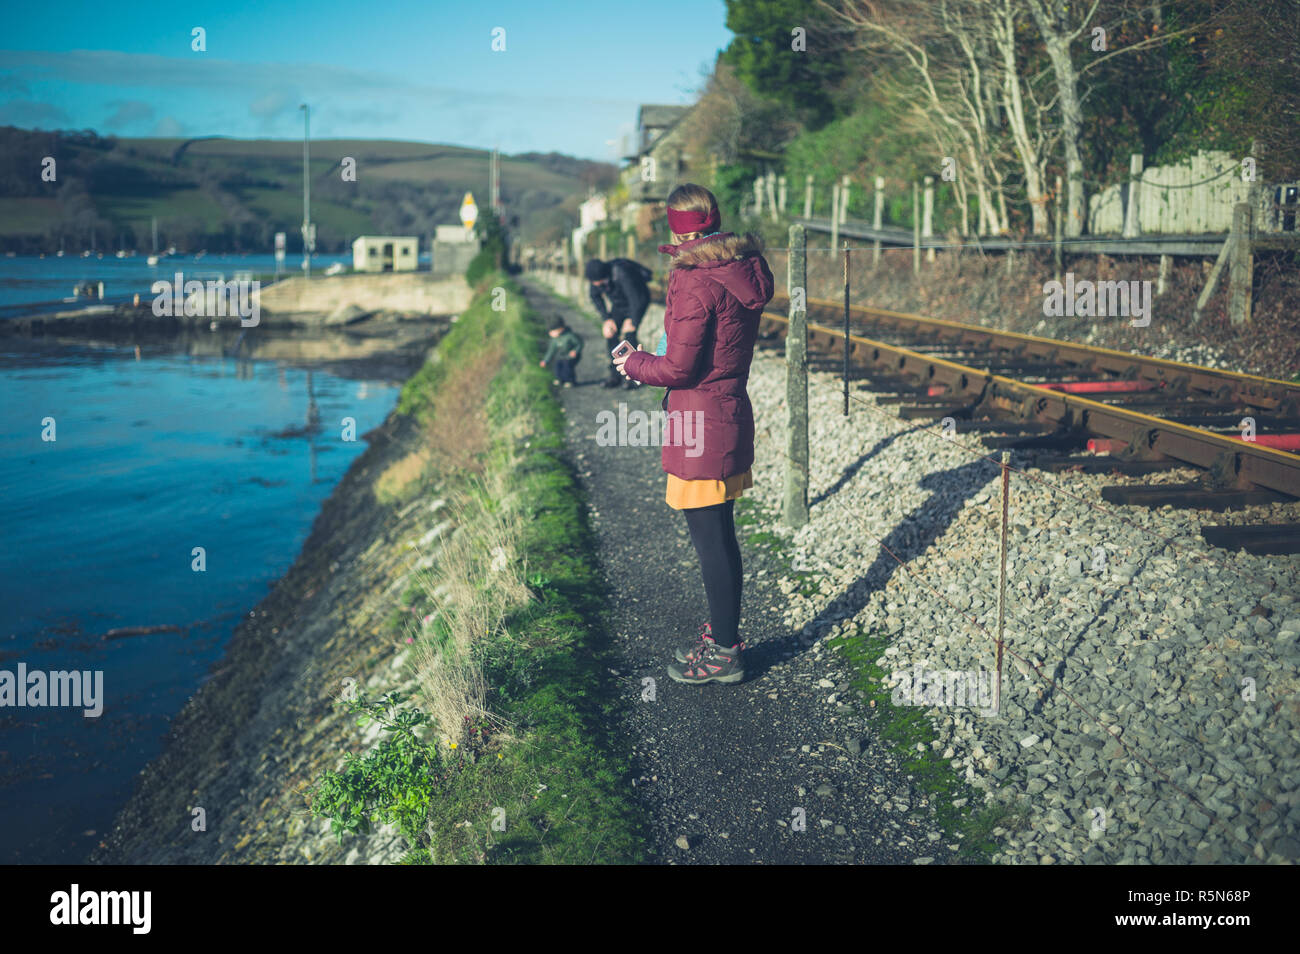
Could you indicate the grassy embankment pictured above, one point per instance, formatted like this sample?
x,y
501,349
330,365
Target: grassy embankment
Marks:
x,y
905,730
504,751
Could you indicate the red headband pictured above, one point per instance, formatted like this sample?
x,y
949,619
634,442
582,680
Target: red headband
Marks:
x,y
684,222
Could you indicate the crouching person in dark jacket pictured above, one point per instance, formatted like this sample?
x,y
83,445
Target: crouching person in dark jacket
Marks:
x,y
565,349
623,282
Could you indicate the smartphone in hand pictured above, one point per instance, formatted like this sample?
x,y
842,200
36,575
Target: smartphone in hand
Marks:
x,y
624,348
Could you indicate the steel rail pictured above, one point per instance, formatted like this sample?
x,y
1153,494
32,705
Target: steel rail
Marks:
x,y
1231,462
1267,393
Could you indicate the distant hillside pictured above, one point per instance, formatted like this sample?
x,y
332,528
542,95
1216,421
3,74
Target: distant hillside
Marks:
x,y
235,194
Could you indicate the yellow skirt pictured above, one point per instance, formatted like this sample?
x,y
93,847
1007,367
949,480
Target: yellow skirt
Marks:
x,y
686,494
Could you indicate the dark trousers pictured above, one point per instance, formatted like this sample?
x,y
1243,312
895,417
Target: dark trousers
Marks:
x,y
564,369
713,531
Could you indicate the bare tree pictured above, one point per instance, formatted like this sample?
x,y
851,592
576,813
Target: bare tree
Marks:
x,y
1024,114
730,119
976,93
936,45
1053,19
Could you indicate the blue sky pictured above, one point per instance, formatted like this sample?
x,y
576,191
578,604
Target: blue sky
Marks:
x,y
570,78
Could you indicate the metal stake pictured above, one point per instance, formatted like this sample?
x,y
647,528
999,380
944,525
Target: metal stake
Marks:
x,y
1002,577
846,328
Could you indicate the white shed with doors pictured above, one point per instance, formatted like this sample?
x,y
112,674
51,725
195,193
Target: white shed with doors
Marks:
x,y
385,253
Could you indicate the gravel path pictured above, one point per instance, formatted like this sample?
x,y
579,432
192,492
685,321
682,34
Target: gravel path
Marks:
x,y
726,771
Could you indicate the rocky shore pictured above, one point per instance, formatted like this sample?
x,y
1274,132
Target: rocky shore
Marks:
x,y
229,785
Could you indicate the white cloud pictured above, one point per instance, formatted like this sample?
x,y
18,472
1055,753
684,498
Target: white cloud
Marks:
x,y
128,112
169,127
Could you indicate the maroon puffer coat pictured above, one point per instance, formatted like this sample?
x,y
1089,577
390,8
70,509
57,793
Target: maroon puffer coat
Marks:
x,y
717,288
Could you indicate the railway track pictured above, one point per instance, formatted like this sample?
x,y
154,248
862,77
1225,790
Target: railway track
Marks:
x,y
1078,407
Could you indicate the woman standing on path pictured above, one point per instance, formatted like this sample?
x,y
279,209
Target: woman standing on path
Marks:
x,y
718,284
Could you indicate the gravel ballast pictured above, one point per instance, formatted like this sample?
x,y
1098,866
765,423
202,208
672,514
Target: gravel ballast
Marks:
x,y
1170,735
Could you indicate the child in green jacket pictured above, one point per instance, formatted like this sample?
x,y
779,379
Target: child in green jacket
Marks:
x,y
565,348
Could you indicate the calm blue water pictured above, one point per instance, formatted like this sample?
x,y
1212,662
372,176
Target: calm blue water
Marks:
x,y
153,457
29,279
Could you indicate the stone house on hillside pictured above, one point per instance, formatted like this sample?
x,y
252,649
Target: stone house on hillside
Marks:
x,y
661,160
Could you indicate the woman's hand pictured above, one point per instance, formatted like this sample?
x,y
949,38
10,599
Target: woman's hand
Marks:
x,y
609,328
628,327
622,360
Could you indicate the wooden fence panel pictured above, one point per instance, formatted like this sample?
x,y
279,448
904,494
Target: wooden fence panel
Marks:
x,y
1192,197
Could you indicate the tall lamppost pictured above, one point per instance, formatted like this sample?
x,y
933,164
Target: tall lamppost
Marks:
x,y
308,230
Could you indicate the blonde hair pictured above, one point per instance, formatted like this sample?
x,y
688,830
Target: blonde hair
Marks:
x,y
690,197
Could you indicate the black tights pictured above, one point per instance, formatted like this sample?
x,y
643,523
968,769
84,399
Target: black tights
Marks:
x,y
713,531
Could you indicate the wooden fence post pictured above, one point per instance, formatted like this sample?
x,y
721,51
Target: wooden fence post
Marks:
x,y
769,183
844,199
631,245
807,196
1213,281
795,509
604,252
878,218
1241,268
927,217
847,343
835,216
916,230
780,194
1056,231
1132,224
758,197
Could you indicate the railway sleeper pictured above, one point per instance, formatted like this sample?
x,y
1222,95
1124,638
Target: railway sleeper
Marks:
x,y
1057,440
1093,464
1267,539
1189,496
936,412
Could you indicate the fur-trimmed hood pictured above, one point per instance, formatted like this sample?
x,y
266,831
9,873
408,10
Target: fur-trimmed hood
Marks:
x,y
717,248
733,261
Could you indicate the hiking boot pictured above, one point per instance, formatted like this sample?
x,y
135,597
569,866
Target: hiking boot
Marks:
x,y
692,649
714,664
